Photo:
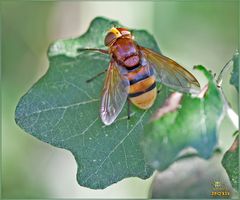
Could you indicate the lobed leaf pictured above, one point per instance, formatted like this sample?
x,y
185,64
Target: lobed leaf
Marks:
x,y
63,110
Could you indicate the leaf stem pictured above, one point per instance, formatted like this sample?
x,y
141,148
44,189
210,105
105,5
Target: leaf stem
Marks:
x,y
233,116
230,112
223,71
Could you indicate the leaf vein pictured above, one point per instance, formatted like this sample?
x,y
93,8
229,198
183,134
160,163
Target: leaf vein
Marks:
x,y
111,152
62,107
83,132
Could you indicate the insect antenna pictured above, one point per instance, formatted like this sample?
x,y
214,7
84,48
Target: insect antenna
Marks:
x,y
93,49
97,75
129,111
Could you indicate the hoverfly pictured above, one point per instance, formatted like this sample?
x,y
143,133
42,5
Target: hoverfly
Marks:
x,y
132,74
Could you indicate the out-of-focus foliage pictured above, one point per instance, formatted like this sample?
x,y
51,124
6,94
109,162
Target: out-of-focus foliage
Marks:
x,y
235,72
24,35
193,177
194,123
230,159
190,32
230,162
63,110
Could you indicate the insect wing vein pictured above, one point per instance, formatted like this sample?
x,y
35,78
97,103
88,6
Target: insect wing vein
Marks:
x,y
171,73
115,93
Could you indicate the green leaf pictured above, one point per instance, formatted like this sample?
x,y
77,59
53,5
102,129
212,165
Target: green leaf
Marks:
x,y
63,110
230,162
175,127
94,38
235,73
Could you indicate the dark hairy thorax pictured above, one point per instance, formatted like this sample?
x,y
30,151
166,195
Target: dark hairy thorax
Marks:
x,y
126,52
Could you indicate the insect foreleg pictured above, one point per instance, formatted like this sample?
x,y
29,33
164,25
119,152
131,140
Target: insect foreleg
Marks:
x,y
159,89
97,75
93,49
128,110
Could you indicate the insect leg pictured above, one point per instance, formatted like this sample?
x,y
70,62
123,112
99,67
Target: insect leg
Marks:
x,y
93,49
159,89
97,75
129,111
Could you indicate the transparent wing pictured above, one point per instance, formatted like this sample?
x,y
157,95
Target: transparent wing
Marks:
x,y
114,94
171,73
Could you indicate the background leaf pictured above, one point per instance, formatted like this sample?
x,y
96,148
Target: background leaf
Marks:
x,y
230,162
193,124
193,177
63,110
235,73
230,159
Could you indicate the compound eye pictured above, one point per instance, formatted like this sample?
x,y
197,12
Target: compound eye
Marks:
x,y
109,39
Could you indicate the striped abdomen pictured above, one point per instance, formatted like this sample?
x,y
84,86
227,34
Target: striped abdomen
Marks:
x,y
143,90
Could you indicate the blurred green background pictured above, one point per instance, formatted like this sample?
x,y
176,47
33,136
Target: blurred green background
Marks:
x,y
190,32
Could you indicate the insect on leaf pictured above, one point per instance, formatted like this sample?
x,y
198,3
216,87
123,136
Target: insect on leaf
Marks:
x,y
63,110
183,122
